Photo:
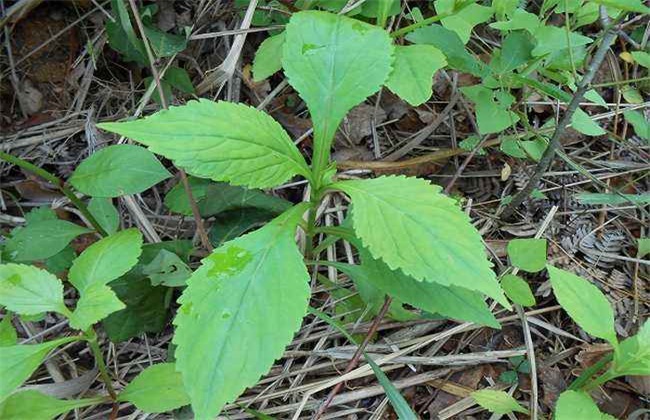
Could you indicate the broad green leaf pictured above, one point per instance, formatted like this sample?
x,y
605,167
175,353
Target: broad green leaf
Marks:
x,y
155,95
60,262
106,259
268,58
582,122
629,5
451,301
413,71
632,357
552,39
122,37
168,269
145,310
587,14
528,254
164,44
463,21
41,240
239,311
105,213
18,362
504,8
334,63
230,224
410,225
118,170
642,57
179,79
8,335
631,95
576,405
584,303
201,138
157,389
498,402
33,405
640,123
514,52
521,19
451,46
38,214
491,117
381,10
97,301
28,290
216,197
517,290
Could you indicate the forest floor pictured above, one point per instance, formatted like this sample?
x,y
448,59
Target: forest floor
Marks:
x,y
59,77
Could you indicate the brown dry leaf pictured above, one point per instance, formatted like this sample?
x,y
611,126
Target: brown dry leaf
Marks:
x,y
358,153
358,123
468,379
553,384
591,353
36,191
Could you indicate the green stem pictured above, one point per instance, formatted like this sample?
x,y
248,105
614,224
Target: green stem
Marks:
x,y
428,21
58,182
91,337
587,374
621,82
311,223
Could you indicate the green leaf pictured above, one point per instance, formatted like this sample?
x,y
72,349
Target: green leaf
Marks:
x,y
575,405
491,117
145,311
520,19
334,63
41,240
178,78
167,269
239,311
214,198
515,51
413,70
629,5
118,170
28,290
97,301
233,223
155,95
552,39
18,362
463,21
8,335
268,58
106,260
451,46
105,213
381,10
157,389
38,214
452,301
60,262
583,123
201,138
34,405
632,357
164,44
643,248
517,290
584,303
642,57
640,124
504,8
498,402
410,225
528,254
612,199
122,37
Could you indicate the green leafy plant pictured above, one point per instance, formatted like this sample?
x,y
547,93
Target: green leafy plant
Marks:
x,y
257,283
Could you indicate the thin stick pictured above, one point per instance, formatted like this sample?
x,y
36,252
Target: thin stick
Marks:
x,y
554,144
200,227
357,355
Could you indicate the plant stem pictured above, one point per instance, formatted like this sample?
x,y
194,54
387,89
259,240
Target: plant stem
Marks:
x,y
587,374
314,201
91,337
622,82
549,153
205,240
58,182
357,355
428,21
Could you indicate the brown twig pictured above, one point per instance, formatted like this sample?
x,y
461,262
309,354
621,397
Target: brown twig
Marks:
x,y
554,144
200,227
355,358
